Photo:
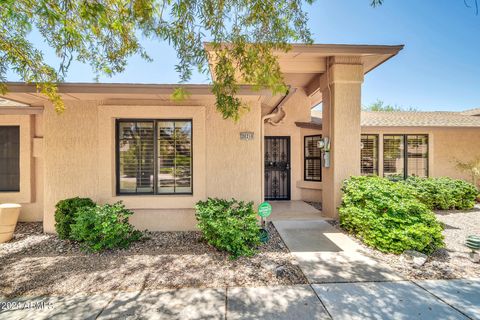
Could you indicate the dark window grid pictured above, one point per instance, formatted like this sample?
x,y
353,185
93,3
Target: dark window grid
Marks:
x,y
419,140
174,157
314,159
155,165
10,158
405,151
375,152
137,142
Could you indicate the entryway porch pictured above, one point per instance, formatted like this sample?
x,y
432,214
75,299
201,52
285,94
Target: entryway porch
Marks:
x,y
294,210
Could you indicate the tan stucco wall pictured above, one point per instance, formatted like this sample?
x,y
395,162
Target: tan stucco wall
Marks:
x,y
234,166
79,160
70,155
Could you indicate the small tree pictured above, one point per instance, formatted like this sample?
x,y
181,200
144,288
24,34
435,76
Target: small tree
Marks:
x,y
379,105
472,167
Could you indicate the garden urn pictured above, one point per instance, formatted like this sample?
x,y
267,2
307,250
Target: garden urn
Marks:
x,y
9,213
473,242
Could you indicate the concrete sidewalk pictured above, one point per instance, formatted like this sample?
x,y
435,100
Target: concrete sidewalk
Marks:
x,y
442,299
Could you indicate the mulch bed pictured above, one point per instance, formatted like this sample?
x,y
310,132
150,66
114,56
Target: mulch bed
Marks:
x,y
34,263
451,262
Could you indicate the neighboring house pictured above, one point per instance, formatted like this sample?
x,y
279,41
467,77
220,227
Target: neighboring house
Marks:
x,y
132,143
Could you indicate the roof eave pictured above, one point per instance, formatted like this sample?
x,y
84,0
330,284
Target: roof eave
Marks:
x,y
125,88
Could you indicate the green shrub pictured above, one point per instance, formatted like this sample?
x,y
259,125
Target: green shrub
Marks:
x,y
444,193
386,215
229,225
65,212
104,227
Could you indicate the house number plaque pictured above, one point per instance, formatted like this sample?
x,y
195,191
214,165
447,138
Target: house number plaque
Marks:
x,y
246,135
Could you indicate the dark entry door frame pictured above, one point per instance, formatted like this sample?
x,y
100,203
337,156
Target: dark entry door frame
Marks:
x,y
277,168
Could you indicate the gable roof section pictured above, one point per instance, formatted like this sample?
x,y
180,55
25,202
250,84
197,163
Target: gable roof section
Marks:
x,y
304,64
418,119
412,119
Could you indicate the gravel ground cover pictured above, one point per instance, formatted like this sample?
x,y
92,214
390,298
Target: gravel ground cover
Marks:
x,y
449,263
34,263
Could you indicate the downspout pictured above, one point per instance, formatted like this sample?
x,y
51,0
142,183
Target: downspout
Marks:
x,y
268,117
279,108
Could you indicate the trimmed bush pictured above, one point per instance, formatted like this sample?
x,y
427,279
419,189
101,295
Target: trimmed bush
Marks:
x,y
65,213
444,193
229,225
387,216
104,227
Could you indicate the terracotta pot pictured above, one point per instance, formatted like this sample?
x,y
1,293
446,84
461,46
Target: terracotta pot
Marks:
x,y
9,213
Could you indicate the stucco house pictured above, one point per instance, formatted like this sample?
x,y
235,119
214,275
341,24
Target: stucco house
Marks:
x,y
131,142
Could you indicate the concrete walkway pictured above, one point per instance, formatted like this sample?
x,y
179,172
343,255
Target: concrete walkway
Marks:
x,y
452,299
326,255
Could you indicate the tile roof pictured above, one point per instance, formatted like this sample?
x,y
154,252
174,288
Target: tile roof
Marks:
x,y
413,119
472,112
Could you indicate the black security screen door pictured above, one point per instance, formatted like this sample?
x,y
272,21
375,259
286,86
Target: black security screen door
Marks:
x,y
277,168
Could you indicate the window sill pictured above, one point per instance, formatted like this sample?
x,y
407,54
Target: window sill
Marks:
x,y
314,185
149,195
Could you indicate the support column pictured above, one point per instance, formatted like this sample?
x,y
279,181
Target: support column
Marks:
x,y
341,92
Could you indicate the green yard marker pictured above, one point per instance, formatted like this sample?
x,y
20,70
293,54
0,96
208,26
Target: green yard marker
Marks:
x,y
264,209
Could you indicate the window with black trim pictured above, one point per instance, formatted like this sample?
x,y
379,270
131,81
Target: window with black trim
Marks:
x,y
154,157
312,158
417,155
9,158
405,156
369,155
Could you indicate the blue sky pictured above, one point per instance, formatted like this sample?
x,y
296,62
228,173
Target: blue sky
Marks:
x,y
439,69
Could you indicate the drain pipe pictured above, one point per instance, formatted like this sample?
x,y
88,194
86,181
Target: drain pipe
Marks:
x,y
279,108
268,117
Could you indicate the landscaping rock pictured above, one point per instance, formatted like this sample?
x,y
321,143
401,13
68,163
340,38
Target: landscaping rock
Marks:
x,y
441,253
415,257
41,264
475,257
281,271
447,272
453,261
267,265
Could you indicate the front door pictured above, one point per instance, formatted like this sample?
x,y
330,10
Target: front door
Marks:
x,y
277,168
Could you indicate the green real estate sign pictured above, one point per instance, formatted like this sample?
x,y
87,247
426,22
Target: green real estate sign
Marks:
x,y
264,210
